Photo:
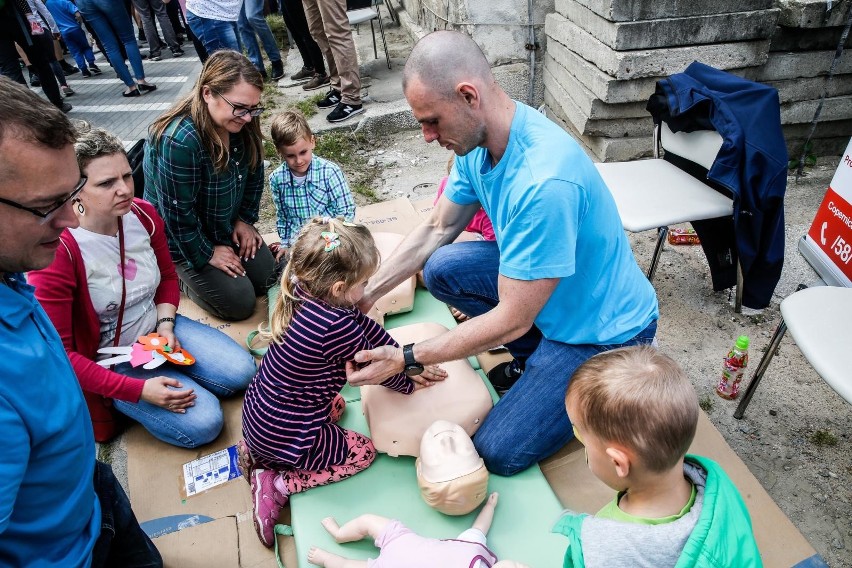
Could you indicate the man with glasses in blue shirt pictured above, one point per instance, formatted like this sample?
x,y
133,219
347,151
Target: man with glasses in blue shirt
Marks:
x,y
58,505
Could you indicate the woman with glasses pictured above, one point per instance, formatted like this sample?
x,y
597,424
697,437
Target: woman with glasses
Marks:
x,y
204,174
112,280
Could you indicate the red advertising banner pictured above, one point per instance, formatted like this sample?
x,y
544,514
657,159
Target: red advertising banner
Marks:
x,y
830,236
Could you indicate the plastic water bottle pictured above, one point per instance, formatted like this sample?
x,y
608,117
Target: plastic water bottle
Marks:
x,y
733,369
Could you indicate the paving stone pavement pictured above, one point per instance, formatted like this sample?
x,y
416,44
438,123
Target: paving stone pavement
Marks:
x,y
98,99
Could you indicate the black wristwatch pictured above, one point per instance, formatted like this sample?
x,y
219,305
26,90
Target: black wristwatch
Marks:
x,y
412,367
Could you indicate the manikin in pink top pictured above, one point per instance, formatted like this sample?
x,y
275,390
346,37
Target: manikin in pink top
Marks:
x,y
400,547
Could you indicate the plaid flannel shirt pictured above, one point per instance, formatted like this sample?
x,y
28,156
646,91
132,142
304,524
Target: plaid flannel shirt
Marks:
x,y
325,193
199,205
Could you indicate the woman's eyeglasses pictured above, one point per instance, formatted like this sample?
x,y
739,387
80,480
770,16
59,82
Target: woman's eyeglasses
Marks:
x,y
241,111
47,213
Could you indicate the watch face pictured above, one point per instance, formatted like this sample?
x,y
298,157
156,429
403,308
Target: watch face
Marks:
x,y
413,370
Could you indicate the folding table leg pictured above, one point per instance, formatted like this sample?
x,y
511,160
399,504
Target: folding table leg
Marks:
x,y
661,239
761,368
738,293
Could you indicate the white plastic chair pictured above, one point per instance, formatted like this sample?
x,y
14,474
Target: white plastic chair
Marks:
x,y
362,15
653,194
818,319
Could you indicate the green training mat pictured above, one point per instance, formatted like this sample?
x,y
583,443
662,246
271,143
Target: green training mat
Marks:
x,y
526,510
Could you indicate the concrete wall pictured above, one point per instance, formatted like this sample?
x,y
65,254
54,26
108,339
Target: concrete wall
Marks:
x,y
500,27
604,57
597,61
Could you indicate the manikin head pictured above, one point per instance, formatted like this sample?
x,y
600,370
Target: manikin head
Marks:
x,y
451,475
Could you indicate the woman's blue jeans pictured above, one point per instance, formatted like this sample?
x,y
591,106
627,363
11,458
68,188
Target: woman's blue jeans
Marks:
x,y
529,423
214,34
252,22
111,23
222,368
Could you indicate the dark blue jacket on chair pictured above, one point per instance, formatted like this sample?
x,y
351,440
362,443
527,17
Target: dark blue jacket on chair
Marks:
x,y
751,165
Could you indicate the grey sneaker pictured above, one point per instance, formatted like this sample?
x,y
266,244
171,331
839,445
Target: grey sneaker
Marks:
x,y
316,82
303,75
332,98
343,112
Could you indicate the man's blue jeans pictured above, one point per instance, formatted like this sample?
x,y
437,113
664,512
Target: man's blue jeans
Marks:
x,y
122,541
252,22
222,368
214,34
529,423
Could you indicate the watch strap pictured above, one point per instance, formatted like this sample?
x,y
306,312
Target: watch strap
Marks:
x,y
408,355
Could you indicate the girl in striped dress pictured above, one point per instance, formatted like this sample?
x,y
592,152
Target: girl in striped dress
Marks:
x,y
292,441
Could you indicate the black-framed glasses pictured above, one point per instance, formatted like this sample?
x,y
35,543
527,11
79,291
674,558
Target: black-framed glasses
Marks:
x,y
241,111
45,214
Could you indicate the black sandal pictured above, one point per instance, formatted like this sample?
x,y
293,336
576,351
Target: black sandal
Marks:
x,y
134,93
146,88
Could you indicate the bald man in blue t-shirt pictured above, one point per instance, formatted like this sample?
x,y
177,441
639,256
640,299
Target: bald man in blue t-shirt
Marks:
x,y
560,283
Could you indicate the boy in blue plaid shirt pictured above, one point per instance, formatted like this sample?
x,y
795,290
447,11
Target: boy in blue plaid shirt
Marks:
x,y
304,186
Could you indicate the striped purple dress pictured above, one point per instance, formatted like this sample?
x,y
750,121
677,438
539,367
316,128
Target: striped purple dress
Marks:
x,y
286,413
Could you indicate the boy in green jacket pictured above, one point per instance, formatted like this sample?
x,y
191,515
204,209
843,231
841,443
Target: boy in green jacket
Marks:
x,y
636,413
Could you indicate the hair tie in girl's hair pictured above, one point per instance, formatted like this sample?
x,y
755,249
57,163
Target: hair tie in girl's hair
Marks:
x,y
332,240
294,279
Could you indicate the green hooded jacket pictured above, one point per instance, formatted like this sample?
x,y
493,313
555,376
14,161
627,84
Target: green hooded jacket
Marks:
x,y
722,535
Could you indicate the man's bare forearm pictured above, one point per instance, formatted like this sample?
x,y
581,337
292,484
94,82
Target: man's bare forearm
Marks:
x,y
520,303
471,337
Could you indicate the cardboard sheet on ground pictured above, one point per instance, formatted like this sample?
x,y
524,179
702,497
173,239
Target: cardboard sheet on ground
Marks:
x,y
397,421
154,472
526,510
394,216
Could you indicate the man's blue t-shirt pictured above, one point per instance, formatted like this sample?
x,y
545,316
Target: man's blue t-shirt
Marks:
x,y
555,218
49,513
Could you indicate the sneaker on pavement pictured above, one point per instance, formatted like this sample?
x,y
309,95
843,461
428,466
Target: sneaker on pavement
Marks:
x,y
303,75
65,107
266,504
177,52
95,69
155,57
67,91
277,70
332,98
316,82
504,375
86,73
344,111
67,68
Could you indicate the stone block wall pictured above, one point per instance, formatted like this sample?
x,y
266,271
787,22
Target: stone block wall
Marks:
x,y
604,57
501,28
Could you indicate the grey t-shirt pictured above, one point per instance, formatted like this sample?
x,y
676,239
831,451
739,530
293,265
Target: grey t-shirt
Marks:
x,y
613,544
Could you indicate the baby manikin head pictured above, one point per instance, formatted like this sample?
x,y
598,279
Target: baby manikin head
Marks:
x,y
451,475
